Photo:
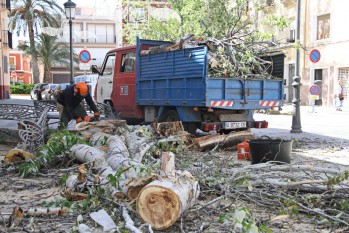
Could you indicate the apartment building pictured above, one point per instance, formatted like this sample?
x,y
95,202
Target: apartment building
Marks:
x,y
20,67
5,45
322,28
95,30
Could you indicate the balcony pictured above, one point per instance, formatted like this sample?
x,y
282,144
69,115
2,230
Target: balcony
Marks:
x,y
5,4
90,39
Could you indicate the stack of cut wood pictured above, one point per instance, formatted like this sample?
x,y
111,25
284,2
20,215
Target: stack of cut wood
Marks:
x,y
161,195
189,41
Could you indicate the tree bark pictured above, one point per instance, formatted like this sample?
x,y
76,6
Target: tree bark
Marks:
x,y
130,176
17,155
231,139
161,202
34,60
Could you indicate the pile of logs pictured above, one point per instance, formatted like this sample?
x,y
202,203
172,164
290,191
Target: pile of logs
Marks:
x,y
161,195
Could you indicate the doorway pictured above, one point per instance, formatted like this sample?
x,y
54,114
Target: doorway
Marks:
x,y
318,81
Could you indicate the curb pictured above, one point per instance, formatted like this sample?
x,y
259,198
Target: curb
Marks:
x,y
9,136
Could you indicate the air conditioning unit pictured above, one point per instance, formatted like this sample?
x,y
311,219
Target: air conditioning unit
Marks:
x,y
269,2
291,36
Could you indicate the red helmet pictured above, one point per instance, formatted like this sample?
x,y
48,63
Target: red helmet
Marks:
x,y
81,88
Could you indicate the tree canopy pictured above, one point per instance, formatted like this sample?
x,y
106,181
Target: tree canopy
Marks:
x,y
232,27
27,16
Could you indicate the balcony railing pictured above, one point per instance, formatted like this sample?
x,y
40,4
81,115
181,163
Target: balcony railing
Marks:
x,y
101,39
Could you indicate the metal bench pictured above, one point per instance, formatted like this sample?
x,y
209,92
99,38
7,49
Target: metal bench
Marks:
x,y
104,109
32,132
17,112
32,123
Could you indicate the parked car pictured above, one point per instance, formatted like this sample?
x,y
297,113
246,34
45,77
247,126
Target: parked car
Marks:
x,y
47,93
35,92
58,88
90,79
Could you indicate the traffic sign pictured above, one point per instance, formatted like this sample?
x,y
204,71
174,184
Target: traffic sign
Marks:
x,y
315,55
314,90
84,56
84,66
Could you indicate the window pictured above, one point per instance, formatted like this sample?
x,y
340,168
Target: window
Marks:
x,y
323,27
78,32
100,33
78,11
5,65
127,62
109,64
12,63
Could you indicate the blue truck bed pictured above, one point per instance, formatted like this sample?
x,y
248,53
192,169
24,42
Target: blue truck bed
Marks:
x,y
179,78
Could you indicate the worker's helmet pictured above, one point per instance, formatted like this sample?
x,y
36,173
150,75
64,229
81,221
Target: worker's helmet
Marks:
x,y
81,89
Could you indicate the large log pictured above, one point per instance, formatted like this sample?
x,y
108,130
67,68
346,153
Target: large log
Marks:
x,y
161,202
138,142
222,140
17,155
87,129
130,175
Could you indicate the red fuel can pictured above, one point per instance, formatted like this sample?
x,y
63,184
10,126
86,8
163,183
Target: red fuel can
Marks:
x,y
244,150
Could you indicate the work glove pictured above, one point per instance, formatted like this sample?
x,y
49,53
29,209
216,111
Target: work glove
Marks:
x,y
78,120
87,118
96,116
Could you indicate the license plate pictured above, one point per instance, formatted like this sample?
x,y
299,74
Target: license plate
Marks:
x,y
235,125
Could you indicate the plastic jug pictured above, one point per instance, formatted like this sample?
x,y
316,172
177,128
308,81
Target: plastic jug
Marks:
x,y
244,150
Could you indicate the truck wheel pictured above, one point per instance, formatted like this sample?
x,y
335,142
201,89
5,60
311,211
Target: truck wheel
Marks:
x,y
111,107
171,116
191,127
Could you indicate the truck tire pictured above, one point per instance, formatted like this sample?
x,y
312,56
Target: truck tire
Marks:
x,y
171,116
110,104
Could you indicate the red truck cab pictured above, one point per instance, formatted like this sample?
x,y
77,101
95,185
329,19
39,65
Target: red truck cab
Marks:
x,y
117,83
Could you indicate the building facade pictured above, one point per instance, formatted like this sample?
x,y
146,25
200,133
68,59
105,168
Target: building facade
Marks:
x,y
20,67
5,45
322,31
94,29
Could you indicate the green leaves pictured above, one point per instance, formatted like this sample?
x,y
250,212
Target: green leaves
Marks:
x,y
59,143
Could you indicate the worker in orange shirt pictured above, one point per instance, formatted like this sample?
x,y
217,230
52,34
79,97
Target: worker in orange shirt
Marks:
x,y
71,99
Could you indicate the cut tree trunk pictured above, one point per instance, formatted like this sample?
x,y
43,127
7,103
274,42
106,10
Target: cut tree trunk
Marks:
x,y
17,155
168,128
210,141
138,143
87,129
161,202
130,176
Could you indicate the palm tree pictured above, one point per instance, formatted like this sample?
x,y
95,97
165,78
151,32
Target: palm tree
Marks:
x,y
50,53
27,16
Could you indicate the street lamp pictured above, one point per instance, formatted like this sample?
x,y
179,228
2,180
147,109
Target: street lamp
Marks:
x,y
69,8
296,117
